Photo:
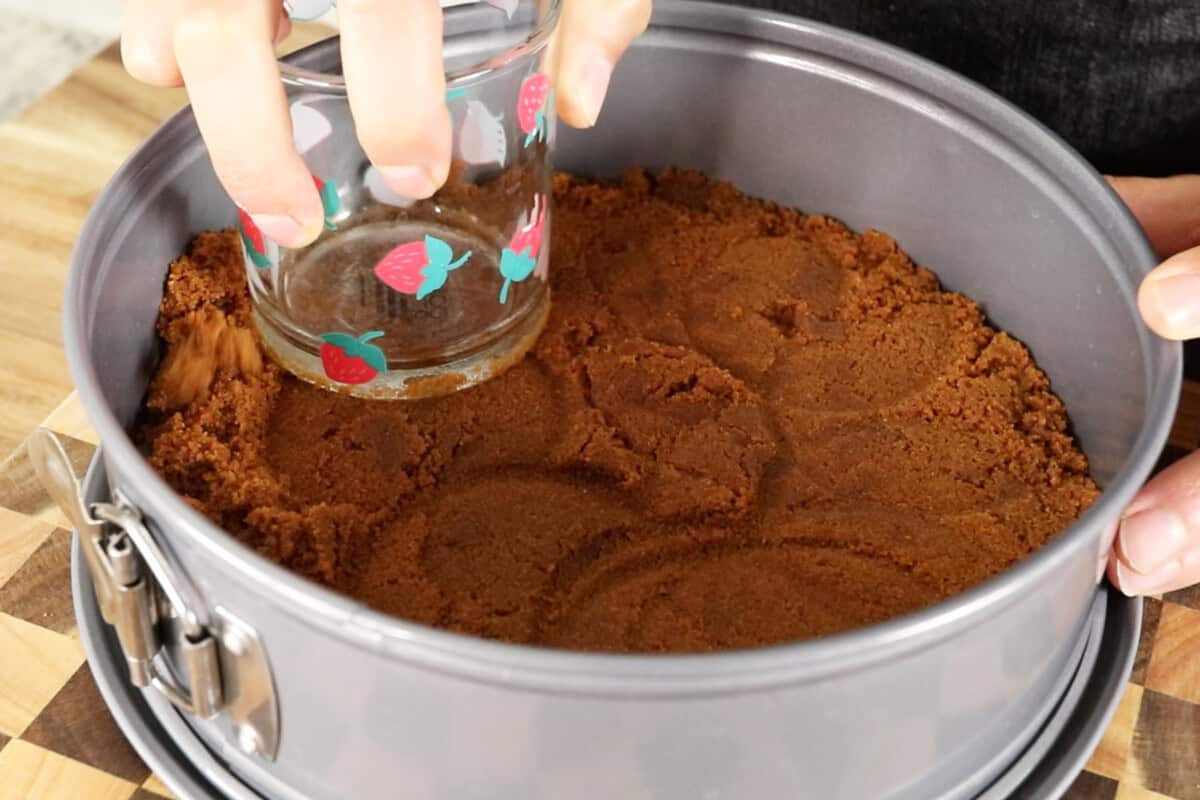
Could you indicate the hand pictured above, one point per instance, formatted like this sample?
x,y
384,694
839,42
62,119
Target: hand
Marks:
x,y
1158,544
223,51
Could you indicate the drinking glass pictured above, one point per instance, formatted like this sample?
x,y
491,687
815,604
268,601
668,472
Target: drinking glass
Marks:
x,y
402,298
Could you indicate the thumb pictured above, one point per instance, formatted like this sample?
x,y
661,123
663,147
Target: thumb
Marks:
x,y
592,35
1169,297
1158,543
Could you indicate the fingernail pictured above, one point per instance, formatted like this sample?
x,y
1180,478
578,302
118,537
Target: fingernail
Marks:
x,y
1178,298
281,229
1133,584
593,86
415,182
1149,539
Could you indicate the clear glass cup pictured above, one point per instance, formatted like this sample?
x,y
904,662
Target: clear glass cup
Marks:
x,y
406,299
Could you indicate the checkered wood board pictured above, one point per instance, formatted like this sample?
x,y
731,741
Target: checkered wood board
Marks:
x,y
58,740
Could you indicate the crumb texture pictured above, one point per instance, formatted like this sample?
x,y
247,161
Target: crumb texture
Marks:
x,y
742,426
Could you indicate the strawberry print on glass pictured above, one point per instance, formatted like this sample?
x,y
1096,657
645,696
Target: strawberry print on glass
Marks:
x,y
331,203
310,127
352,361
533,107
481,138
260,251
520,258
419,268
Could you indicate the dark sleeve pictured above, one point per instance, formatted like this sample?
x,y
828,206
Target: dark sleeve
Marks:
x,y
1118,79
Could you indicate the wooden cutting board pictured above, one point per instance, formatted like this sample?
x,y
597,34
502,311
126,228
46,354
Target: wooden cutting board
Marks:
x,y
57,739
54,159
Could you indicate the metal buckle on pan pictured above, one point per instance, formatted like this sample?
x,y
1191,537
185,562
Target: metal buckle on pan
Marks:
x,y
223,666
124,555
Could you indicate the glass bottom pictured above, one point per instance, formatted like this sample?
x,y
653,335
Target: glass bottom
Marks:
x,y
393,306
418,381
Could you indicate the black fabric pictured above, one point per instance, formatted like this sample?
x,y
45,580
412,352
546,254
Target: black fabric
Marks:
x,y
1118,79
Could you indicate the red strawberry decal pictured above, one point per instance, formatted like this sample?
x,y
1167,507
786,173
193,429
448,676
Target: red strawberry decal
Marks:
x,y
519,260
532,107
330,201
529,236
419,268
261,251
352,361
253,240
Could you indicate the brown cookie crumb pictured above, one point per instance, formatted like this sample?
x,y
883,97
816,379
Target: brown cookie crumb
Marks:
x,y
742,426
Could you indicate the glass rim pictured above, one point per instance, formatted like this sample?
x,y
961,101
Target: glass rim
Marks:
x,y
300,77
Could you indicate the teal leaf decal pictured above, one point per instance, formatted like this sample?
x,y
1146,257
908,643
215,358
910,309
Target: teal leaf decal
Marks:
x,y
330,200
437,252
342,340
438,265
256,258
434,280
370,353
515,268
